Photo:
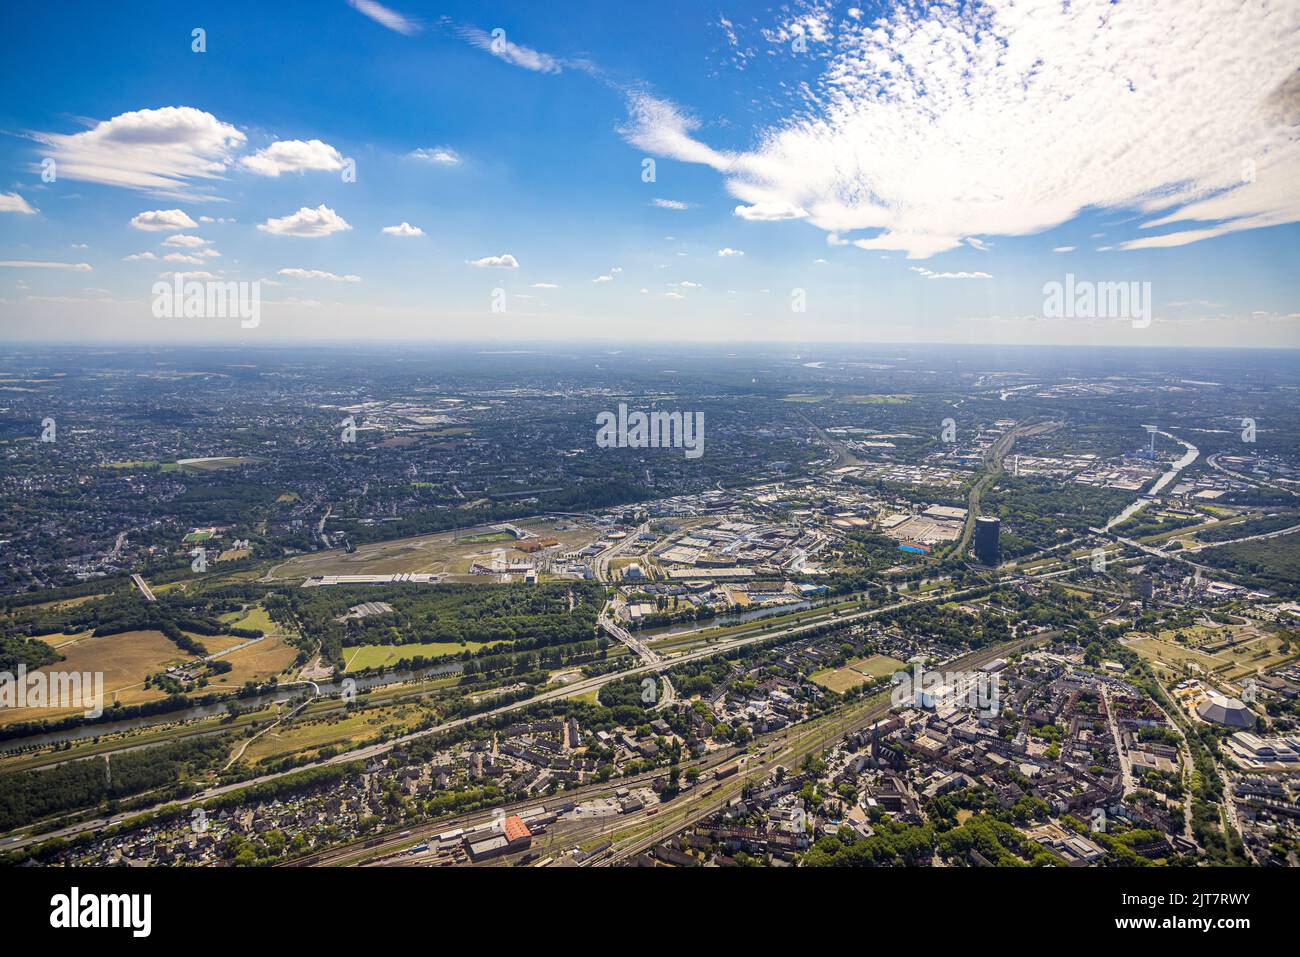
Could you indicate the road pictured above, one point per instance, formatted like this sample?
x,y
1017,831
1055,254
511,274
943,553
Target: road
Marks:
x,y
992,469
571,690
144,588
600,567
786,749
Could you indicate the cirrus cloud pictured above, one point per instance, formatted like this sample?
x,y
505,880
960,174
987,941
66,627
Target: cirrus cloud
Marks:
x,y
938,122
13,203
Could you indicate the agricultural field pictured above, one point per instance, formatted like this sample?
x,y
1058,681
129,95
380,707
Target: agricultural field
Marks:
x,y
447,553
856,672
258,662
124,660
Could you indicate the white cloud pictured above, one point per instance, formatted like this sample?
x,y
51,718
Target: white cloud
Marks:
x,y
157,220
184,241
42,264
605,278
162,151
317,274
687,284
191,274
442,155
139,257
504,261
397,22
770,212
307,222
13,203
671,204
501,47
293,156
183,258
930,274
939,122
545,285
673,295
1063,249
727,252
977,243
403,229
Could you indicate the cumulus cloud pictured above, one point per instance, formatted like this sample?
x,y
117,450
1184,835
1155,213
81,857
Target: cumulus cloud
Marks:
x,y
403,229
545,285
1063,249
727,252
43,264
671,204
293,156
184,241
139,257
938,122
307,223
13,203
317,274
169,151
387,17
183,258
157,220
504,261
441,155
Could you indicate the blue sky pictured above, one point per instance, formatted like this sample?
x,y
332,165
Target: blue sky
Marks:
x,y
905,175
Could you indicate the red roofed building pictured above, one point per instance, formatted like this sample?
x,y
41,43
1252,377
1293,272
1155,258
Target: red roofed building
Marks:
x,y
516,832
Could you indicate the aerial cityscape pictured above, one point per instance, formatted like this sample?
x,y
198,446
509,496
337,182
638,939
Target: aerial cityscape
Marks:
x,y
801,436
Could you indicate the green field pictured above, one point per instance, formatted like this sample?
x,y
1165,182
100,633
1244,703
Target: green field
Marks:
x,y
857,672
380,656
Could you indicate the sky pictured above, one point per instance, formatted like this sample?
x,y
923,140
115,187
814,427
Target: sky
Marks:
x,y
671,171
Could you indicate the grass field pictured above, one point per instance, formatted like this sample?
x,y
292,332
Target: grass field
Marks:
x,y
257,663
313,734
123,659
447,553
379,656
1256,650
254,617
856,672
